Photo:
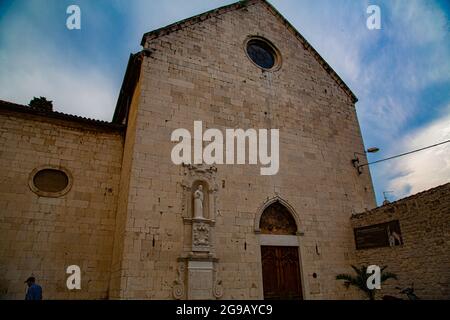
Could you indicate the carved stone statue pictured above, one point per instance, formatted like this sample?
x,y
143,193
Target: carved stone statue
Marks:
x,y
198,203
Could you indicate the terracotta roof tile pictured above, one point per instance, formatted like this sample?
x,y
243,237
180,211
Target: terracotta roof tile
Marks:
x,y
6,105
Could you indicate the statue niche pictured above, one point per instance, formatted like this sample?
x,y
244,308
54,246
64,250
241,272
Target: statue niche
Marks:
x,y
200,201
201,223
276,219
198,210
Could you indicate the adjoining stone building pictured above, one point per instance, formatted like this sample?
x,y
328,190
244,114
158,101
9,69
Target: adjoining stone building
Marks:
x,y
418,250
108,198
44,233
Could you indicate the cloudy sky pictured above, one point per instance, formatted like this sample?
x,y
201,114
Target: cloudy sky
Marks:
x,y
401,73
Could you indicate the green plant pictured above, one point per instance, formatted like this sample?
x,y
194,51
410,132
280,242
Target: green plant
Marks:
x,y
360,279
41,103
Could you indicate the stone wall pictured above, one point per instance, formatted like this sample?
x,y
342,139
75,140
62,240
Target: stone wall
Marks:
x,y
42,236
424,257
127,218
201,73
119,277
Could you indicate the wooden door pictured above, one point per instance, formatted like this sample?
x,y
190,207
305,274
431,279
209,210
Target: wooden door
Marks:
x,y
281,273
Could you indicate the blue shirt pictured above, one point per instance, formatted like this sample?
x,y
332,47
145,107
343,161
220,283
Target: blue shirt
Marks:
x,y
34,292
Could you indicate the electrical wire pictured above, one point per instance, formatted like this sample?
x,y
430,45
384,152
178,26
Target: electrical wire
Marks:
x,y
403,154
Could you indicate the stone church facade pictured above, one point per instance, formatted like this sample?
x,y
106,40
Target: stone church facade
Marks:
x,y
125,214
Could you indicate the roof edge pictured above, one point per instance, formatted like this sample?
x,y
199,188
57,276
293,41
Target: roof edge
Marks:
x,y
241,4
192,20
130,79
19,108
314,52
400,201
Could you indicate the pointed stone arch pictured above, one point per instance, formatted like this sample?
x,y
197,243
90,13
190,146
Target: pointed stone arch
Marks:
x,y
285,204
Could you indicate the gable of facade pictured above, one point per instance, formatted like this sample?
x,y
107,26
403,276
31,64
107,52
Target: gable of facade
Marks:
x,y
198,70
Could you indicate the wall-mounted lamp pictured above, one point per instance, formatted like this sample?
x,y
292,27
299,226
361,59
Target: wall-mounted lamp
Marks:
x,y
355,160
358,166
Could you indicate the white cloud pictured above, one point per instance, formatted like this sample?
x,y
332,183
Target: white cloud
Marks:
x,y
337,32
426,169
419,21
388,68
420,30
83,92
41,67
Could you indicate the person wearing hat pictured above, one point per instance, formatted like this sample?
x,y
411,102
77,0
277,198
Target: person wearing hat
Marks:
x,y
34,291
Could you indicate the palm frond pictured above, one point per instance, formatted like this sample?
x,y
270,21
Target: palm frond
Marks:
x,y
351,280
346,277
360,279
357,270
387,275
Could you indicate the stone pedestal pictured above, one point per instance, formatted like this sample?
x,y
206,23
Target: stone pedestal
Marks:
x,y
200,280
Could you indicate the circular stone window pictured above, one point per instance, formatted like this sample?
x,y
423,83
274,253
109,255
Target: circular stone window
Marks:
x,y
50,181
262,53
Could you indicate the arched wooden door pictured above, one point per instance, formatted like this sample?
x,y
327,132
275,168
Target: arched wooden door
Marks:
x,y
280,264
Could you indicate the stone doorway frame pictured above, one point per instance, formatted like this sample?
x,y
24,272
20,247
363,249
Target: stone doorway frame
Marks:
x,y
280,240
